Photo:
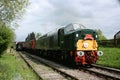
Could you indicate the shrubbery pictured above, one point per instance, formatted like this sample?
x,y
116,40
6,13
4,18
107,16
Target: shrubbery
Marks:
x,y
6,38
10,12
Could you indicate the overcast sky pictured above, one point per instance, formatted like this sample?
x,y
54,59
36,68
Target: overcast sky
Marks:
x,y
43,16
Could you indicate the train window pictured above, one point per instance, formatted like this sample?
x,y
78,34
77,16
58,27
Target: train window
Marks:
x,y
95,35
72,27
78,26
68,29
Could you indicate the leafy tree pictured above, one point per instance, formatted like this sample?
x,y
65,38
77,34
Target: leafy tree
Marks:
x,y
37,35
6,38
32,36
100,35
11,10
27,38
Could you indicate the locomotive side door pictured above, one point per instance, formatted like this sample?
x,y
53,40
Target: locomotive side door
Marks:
x,y
61,38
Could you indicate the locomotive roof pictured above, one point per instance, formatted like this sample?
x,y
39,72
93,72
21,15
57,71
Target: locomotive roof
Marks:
x,y
67,29
75,26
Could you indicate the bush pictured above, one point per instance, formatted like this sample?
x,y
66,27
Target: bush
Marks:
x,y
6,38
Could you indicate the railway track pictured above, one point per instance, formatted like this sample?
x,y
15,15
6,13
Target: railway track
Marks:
x,y
104,72
45,71
60,72
68,73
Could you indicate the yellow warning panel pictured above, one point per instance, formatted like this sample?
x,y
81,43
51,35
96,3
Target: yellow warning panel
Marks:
x,y
87,45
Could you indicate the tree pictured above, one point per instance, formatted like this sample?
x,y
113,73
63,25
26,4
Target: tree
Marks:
x,y
27,38
6,37
37,35
32,36
11,10
100,35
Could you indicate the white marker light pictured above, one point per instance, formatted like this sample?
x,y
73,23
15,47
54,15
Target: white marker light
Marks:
x,y
99,53
80,53
77,35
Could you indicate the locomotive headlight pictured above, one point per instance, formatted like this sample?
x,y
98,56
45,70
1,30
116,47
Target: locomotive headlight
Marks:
x,y
85,45
77,35
80,53
96,36
99,53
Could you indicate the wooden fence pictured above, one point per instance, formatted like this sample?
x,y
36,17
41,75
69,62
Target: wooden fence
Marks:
x,y
109,43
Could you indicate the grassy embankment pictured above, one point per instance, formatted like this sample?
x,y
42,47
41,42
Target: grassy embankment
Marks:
x,y
12,67
110,58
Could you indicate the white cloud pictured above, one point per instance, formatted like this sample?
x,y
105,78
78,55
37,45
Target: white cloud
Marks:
x,y
46,15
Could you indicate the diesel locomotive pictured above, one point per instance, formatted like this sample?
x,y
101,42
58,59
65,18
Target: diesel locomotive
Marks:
x,y
72,43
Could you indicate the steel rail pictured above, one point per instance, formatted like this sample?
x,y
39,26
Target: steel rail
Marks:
x,y
99,74
29,65
59,71
69,77
107,68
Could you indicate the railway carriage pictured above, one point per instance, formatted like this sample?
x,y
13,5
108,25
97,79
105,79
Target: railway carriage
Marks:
x,y
20,46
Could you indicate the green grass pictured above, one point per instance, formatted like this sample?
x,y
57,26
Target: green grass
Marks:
x,y
12,67
110,58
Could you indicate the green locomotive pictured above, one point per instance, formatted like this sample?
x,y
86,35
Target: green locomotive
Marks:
x,y
71,43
